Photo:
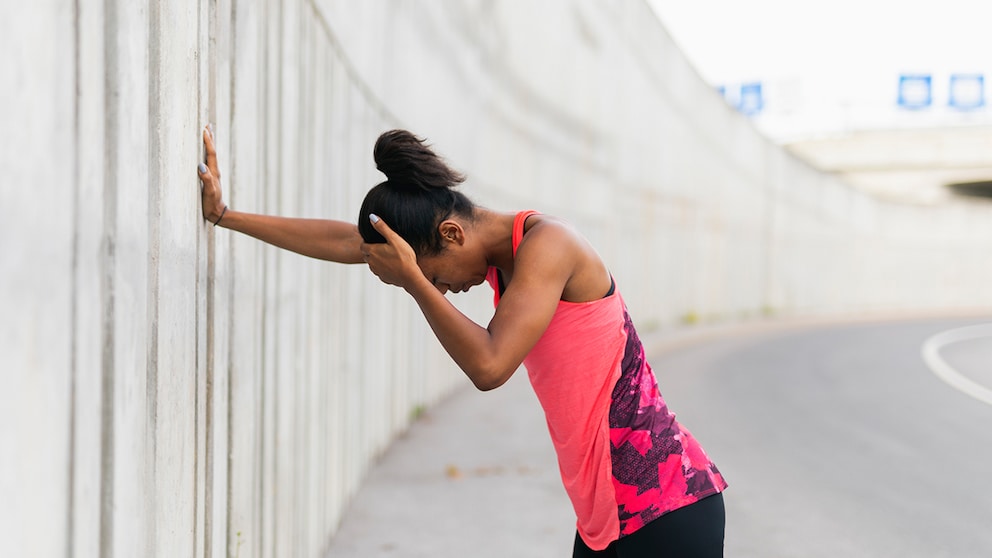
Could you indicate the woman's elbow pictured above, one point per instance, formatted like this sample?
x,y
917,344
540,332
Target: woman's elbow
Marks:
x,y
487,380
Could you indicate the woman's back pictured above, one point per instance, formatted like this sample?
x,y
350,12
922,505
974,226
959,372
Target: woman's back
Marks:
x,y
623,457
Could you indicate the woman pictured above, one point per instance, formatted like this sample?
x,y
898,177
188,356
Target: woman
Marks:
x,y
640,484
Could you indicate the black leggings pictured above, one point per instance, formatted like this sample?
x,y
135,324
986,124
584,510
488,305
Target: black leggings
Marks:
x,y
695,531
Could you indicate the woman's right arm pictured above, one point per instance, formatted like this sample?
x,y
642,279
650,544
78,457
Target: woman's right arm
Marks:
x,y
324,239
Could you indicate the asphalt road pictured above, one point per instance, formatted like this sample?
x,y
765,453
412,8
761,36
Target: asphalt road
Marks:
x,y
837,441
840,441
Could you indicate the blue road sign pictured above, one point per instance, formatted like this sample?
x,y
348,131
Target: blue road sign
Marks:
x,y
967,91
915,91
751,101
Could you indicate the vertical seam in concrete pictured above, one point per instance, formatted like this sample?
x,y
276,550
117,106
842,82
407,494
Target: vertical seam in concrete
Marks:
x,y
197,433
299,408
228,504
74,290
292,386
279,379
263,106
154,232
108,262
302,408
208,476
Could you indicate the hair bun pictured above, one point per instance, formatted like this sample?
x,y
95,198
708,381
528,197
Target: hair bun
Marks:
x,y
409,163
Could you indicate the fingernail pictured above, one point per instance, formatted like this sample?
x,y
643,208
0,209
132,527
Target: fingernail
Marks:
x,y
210,128
373,217
202,168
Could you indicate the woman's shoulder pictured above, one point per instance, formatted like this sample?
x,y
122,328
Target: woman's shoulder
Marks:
x,y
552,240
541,228
551,243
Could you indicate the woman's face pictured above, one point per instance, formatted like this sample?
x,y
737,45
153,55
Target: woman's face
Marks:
x,y
460,266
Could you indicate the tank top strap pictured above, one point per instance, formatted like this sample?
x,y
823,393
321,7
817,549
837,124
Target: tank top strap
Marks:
x,y
518,227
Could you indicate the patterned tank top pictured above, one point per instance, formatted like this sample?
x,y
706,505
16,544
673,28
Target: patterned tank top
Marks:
x,y
624,459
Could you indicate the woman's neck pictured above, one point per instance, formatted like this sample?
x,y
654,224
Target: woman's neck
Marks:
x,y
495,232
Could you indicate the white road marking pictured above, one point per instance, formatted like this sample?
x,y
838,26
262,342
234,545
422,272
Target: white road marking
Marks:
x,y
931,354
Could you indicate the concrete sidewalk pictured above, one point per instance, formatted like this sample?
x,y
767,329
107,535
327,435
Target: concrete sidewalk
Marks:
x,y
475,476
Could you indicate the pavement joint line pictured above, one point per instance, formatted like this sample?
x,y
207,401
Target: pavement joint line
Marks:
x,y
931,355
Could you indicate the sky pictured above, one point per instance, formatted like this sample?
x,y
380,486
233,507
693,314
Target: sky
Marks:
x,y
774,38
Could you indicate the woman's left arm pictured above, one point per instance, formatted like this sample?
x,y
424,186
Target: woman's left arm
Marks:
x,y
488,356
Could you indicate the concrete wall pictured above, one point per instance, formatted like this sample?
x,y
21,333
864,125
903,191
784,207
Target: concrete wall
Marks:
x,y
174,390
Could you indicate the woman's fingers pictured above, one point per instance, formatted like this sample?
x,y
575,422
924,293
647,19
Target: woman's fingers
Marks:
x,y
383,229
370,256
393,262
210,193
208,190
211,151
209,169
206,177
397,245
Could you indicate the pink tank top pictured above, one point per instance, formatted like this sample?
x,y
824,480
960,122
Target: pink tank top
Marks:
x,y
624,459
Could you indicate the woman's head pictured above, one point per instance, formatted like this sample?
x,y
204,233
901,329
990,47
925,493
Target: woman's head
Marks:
x,y
417,195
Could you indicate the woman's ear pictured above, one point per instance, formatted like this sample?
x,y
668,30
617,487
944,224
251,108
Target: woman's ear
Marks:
x,y
451,231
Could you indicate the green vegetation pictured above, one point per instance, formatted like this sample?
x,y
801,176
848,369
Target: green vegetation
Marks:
x,y
690,318
417,412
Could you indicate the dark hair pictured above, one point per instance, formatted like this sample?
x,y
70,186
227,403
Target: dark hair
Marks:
x,y
417,194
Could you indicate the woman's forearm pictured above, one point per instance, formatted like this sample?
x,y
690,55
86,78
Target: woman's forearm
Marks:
x,y
470,345
324,239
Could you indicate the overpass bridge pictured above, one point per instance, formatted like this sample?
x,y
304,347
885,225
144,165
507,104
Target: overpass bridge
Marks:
x,y
925,166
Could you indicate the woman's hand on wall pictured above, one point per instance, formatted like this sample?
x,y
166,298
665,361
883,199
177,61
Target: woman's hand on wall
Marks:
x,y
324,239
211,196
